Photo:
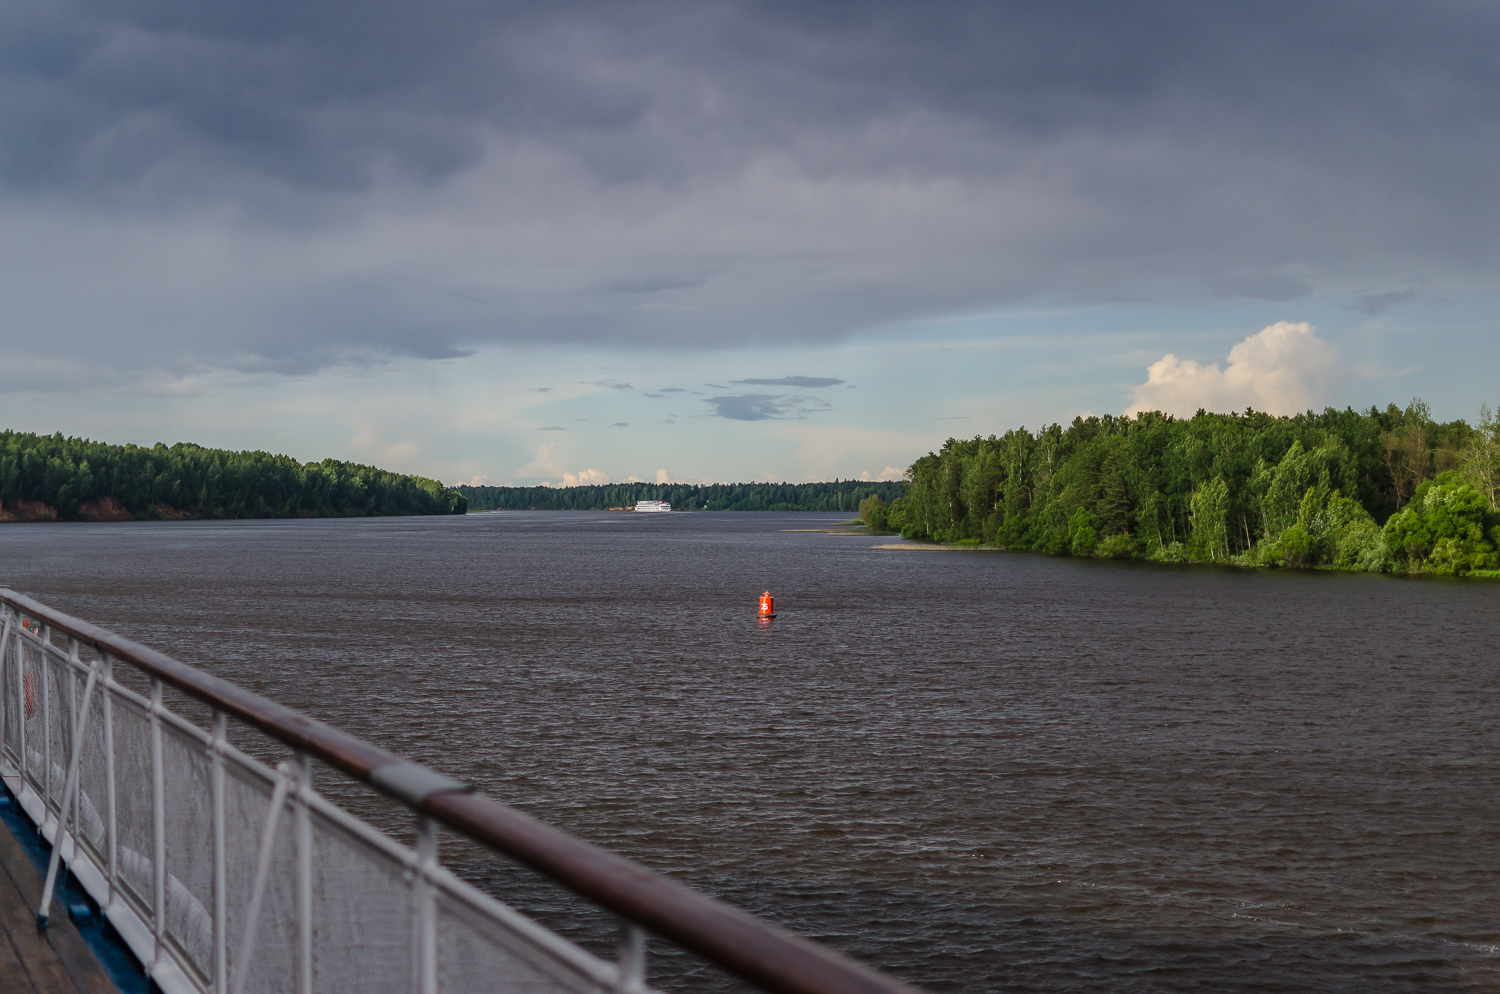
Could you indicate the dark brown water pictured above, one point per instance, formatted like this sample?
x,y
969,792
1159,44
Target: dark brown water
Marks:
x,y
980,771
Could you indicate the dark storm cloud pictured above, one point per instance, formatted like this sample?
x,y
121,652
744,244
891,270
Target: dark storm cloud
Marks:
x,y
765,407
1371,304
802,382
747,407
279,186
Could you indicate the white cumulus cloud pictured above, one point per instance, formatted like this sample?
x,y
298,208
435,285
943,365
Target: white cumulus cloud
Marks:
x,y
585,478
546,465
1283,369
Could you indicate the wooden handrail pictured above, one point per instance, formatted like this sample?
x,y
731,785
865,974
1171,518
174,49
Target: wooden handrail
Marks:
x,y
767,956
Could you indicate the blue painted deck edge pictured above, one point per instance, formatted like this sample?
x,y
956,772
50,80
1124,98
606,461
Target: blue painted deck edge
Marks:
x,y
107,946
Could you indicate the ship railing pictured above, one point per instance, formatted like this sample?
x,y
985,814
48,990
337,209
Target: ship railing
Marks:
x,y
226,874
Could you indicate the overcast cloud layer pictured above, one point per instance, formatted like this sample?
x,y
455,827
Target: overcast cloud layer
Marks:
x,y
282,186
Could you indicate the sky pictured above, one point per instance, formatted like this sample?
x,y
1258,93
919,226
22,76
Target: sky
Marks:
x,y
584,242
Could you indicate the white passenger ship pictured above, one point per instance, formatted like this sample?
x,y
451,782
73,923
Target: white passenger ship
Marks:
x,y
653,505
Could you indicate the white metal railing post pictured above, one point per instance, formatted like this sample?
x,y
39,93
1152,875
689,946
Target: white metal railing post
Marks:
x,y
4,658
75,722
424,912
107,665
221,897
303,844
45,692
69,791
631,957
158,827
20,683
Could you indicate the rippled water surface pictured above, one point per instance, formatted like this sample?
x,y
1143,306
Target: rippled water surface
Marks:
x,y
981,771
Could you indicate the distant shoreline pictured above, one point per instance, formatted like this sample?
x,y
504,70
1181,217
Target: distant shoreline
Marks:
x,y
839,496
47,478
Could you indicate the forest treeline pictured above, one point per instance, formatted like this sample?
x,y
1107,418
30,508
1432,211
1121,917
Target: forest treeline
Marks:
x,y
49,477
1389,490
842,495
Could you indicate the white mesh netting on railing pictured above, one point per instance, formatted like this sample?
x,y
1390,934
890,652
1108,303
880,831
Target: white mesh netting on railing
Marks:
x,y
167,829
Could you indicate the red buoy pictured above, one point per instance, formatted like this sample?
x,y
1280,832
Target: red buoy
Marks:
x,y
767,605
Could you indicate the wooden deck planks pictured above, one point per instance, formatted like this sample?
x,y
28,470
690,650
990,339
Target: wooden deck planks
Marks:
x,y
55,960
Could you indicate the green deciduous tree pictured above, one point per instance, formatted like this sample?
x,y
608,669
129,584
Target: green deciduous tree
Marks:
x,y
1447,527
1210,520
1481,461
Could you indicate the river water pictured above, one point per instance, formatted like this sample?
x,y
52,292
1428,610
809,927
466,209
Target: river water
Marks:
x,y
980,771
